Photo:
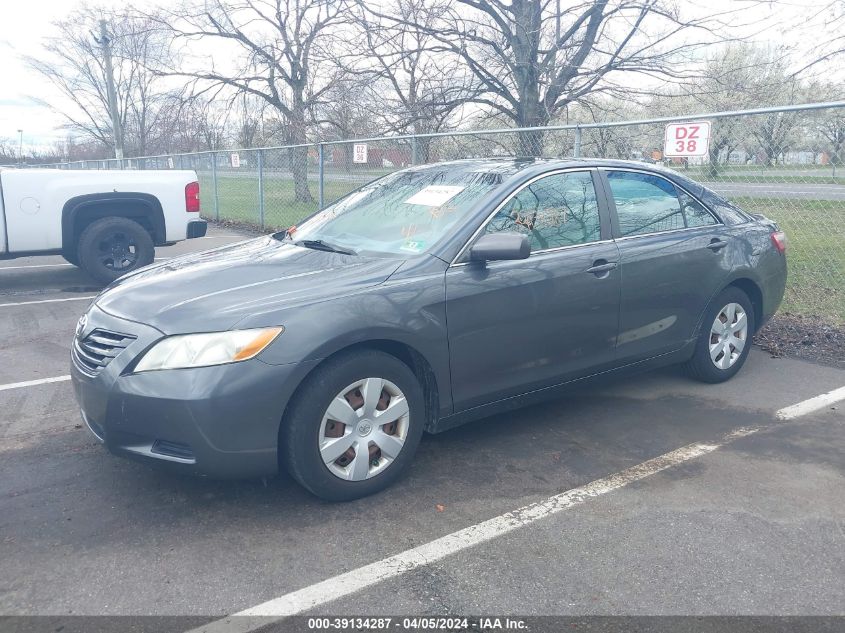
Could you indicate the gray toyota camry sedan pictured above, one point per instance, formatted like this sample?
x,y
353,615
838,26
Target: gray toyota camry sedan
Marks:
x,y
431,297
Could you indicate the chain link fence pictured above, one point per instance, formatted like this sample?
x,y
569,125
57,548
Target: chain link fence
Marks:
x,y
786,163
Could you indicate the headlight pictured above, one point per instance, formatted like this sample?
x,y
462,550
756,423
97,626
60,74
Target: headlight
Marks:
x,y
202,350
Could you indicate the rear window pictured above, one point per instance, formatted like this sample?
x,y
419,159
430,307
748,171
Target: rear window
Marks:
x,y
726,210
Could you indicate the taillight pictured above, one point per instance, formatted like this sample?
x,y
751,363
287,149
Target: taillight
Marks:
x,y
192,197
779,240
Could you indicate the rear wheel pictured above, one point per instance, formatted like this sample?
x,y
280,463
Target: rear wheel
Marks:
x,y
354,426
725,339
111,247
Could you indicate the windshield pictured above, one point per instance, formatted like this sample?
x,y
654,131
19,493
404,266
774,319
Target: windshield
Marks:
x,y
404,213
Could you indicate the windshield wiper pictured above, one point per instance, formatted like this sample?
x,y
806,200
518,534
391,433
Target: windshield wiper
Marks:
x,y
321,245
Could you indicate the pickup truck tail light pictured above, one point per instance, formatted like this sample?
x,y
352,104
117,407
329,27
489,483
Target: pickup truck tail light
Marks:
x,y
779,241
192,197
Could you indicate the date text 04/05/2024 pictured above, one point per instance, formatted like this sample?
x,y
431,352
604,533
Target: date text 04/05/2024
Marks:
x,y
422,623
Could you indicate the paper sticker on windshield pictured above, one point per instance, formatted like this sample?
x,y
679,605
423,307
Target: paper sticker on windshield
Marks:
x,y
434,195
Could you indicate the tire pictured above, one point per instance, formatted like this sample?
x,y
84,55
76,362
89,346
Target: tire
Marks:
x,y
307,428
71,258
111,247
724,360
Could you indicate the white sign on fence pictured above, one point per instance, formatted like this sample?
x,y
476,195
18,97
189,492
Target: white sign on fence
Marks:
x,y
235,159
359,153
687,139
170,162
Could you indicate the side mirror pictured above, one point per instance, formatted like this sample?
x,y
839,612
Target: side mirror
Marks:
x,y
496,246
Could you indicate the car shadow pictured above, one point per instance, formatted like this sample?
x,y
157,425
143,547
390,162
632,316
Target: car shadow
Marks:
x,y
472,472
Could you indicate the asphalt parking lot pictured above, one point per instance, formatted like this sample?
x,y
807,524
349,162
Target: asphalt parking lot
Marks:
x,y
731,522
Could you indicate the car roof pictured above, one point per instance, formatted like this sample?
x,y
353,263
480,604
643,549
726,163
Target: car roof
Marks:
x,y
533,160
517,164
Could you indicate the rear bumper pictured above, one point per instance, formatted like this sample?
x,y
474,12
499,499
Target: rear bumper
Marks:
x,y
196,228
774,287
221,421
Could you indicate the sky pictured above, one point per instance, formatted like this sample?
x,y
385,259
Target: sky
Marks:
x,y
24,24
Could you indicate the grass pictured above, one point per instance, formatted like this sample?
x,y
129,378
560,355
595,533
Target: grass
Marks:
x,y
803,179
238,199
815,228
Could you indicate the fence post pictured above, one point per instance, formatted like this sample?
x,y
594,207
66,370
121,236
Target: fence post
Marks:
x,y
577,142
261,188
214,186
414,151
322,176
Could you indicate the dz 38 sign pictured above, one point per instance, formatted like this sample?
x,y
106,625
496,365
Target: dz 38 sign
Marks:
x,y
684,140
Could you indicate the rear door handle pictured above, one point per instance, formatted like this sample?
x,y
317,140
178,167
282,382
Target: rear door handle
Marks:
x,y
598,269
716,244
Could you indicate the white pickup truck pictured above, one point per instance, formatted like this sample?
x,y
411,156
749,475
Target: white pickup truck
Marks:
x,y
106,222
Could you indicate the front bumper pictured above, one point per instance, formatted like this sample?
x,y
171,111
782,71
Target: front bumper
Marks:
x,y
218,421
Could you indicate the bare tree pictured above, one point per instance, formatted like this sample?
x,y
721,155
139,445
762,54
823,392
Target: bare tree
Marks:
x,y
735,77
346,111
829,125
248,111
278,52
72,63
419,88
827,49
832,129
8,152
535,57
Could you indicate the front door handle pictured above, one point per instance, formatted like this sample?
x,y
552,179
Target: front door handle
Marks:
x,y
601,266
716,244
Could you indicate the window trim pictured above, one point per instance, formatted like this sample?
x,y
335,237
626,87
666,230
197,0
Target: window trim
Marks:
x,y
614,214
600,204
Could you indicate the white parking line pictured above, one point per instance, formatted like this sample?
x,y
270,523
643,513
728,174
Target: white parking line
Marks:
x,y
353,581
34,266
158,259
29,303
813,404
369,575
33,383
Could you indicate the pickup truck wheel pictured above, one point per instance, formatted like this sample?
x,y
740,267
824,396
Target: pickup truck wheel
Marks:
x,y
111,247
71,258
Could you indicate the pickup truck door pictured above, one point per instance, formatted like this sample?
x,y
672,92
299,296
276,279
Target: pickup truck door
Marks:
x,y
32,204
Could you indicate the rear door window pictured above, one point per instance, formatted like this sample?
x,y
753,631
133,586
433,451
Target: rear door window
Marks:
x,y
648,203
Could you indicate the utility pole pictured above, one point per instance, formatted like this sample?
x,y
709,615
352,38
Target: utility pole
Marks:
x,y
557,25
20,148
117,132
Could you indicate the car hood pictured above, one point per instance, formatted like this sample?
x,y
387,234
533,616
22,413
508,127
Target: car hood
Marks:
x,y
213,290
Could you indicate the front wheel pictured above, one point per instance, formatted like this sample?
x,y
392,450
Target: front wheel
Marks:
x,y
111,247
354,426
725,339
